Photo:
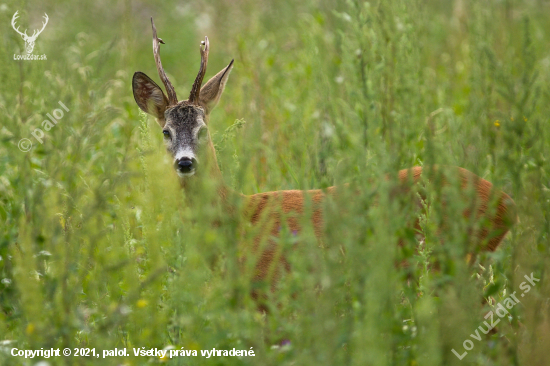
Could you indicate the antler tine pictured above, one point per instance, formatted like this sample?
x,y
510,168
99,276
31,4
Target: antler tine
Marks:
x,y
13,19
43,24
172,98
195,91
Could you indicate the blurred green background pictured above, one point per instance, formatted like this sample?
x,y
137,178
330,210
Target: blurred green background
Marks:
x,y
98,249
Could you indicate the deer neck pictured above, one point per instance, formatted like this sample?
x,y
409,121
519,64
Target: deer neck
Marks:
x,y
211,184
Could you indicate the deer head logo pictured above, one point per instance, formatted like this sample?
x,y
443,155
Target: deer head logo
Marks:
x,y
29,40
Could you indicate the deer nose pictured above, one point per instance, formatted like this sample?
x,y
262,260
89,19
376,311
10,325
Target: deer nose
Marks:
x,y
185,165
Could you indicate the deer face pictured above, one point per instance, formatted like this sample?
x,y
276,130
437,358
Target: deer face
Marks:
x,y
184,124
29,45
185,132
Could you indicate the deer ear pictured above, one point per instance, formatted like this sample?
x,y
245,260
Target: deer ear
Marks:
x,y
149,96
211,92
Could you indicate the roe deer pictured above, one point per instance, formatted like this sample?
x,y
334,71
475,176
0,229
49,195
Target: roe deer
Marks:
x,y
185,128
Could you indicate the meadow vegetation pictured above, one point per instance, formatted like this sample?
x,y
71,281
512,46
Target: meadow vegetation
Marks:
x,y
99,250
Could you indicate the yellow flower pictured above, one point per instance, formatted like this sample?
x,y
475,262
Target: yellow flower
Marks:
x,y
30,329
141,303
497,123
525,118
194,346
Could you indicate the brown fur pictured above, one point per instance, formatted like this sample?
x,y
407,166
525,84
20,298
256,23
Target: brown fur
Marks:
x,y
267,208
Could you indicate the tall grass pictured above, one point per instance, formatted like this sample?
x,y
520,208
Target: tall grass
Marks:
x,y
99,248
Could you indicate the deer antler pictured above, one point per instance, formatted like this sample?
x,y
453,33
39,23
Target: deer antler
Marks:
x,y
172,98
195,91
15,16
35,34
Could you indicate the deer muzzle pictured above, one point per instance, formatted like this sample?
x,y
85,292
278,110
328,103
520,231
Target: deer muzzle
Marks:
x,y
185,166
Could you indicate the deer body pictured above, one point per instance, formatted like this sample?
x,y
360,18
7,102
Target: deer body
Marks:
x,y
185,129
269,207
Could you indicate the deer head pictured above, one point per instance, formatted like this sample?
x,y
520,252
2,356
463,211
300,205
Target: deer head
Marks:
x,y
184,123
29,40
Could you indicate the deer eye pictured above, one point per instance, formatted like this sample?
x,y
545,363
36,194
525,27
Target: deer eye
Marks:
x,y
203,134
166,134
